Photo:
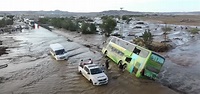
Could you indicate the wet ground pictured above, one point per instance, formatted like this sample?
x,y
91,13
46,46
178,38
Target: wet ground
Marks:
x,y
181,69
31,70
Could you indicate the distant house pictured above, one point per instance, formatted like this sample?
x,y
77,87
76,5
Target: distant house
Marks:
x,y
41,16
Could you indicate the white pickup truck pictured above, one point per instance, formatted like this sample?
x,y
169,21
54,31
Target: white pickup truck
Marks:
x,y
93,73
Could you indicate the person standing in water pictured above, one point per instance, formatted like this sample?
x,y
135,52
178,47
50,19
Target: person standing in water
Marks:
x,y
107,64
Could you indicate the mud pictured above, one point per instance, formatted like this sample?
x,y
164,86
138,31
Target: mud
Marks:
x,y
32,70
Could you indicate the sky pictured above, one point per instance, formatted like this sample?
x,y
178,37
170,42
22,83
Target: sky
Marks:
x,y
101,5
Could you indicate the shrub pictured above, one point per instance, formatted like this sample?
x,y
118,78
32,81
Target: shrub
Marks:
x,y
147,38
194,30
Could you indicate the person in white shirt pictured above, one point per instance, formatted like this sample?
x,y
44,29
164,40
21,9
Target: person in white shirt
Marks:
x,y
90,61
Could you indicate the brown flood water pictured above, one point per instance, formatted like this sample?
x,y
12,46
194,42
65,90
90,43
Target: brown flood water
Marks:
x,y
31,70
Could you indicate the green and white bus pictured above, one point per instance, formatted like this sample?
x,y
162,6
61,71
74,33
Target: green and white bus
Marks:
x,y
135,59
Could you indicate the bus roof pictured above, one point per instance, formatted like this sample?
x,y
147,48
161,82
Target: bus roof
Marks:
x,y
56,46
131,44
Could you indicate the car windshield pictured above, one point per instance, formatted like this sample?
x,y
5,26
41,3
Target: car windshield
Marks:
x,y
60,52
95,71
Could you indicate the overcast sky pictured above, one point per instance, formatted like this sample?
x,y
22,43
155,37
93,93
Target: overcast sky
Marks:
x,y
101,5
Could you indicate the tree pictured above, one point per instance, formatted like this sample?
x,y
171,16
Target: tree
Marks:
x,y
43,20
147,38
84,28
10,16
57,22
93,27
166,29
87,28
125,17
4,22
108,26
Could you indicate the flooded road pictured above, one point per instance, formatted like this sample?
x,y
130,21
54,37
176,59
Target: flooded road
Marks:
x,y
183,74
31,69
181,69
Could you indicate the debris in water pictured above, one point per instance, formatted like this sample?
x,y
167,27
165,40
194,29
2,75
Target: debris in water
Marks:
x,y
3,66
3,50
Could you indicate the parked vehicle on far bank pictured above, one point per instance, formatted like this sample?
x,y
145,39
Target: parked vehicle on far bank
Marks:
x,y
93,73
58,51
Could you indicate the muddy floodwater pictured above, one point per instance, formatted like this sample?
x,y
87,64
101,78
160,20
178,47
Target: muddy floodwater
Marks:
x,y
32,70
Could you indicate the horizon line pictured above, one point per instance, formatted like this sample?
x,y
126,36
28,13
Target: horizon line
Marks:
x,y
97,11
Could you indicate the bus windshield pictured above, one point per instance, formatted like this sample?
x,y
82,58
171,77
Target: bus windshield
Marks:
x,y
157,58
96,71
60,52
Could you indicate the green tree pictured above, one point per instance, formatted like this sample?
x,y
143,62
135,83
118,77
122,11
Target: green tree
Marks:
x,y
125,17
93,27
57,22
85,28
4,22
10,17
108,26
43,20
166,29
147,38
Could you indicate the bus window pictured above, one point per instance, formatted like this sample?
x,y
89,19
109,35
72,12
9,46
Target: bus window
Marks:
x,y
130,47
136,51
110,47
113,40
144,53
128,59
157,58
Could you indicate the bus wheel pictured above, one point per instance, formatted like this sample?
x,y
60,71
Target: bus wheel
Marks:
x,y
120,64
105,53
124,66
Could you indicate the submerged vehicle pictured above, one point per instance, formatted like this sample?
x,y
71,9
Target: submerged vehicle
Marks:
x,y
93,73
135,59
58,51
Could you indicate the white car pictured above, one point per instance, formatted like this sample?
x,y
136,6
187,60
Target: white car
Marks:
x,y
93,73
58,51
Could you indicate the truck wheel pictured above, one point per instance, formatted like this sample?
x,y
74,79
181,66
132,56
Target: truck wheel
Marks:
x,y
91,81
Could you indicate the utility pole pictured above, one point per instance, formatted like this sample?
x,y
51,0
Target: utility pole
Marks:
x,y
121,23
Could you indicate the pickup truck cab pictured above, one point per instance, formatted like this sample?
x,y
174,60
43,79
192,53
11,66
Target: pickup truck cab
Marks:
x,y
93,73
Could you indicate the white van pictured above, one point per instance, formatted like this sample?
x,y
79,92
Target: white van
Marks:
x,y
58,51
